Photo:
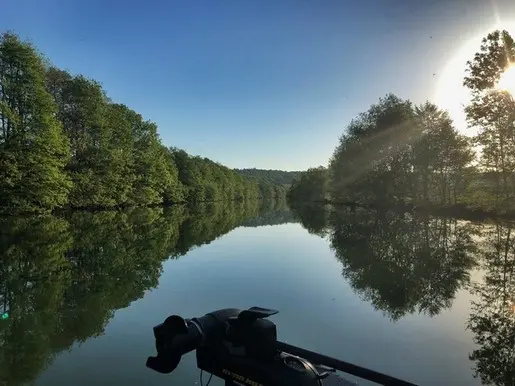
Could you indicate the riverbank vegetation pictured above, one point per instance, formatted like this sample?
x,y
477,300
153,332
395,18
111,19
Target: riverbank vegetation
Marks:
x,y
65,143
271,176
401,154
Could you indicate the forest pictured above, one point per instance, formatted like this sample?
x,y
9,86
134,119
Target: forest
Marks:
x,y
271,176
398,153
64,143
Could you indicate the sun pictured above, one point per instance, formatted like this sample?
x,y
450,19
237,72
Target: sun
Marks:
x,y
507,80
451,95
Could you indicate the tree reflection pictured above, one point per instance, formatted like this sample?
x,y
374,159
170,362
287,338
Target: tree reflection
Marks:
x,y
33,279
62,279
402,263
272,212
313,217
492,317
208,221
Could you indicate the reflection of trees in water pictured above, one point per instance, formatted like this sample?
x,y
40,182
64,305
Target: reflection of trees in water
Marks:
x,y
30,248
208,221
404,263
61,279
272,212
400,262
313,217
492,317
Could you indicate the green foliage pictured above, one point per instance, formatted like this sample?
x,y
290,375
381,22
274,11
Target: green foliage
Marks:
x,y
271,177
117,157
152,176
371,161
396,152
439,159
33,149
204,180
64,143
312,186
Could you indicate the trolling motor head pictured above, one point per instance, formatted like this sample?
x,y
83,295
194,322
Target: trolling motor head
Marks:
x,y
168,357
228,332
241,347
232,344
252,336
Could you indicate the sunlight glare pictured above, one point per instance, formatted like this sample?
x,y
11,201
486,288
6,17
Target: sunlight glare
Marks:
x,y
450,94
507,80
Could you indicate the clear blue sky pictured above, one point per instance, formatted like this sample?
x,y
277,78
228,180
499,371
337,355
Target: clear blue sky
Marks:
x,y
270,84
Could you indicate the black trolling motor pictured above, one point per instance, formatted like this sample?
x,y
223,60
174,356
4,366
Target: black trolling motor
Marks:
x,y
241,347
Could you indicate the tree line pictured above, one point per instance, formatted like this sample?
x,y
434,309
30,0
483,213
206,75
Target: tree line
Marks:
x,y
62,277
401,153
279,177
63,142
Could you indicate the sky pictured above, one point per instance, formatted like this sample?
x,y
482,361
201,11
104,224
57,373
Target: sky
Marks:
x,y
267,83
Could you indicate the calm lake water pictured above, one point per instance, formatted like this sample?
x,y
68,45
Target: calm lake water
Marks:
x,y
425,299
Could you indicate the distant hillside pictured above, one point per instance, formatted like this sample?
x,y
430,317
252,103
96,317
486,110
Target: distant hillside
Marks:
x,y
280,177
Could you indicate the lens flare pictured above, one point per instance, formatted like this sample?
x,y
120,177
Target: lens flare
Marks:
x,y
507,80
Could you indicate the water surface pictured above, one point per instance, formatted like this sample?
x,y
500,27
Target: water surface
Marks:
x,y
422,298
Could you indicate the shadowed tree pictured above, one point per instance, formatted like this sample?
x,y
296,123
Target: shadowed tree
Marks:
x,y
439,158
400,153
311,187
492,112
370,164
